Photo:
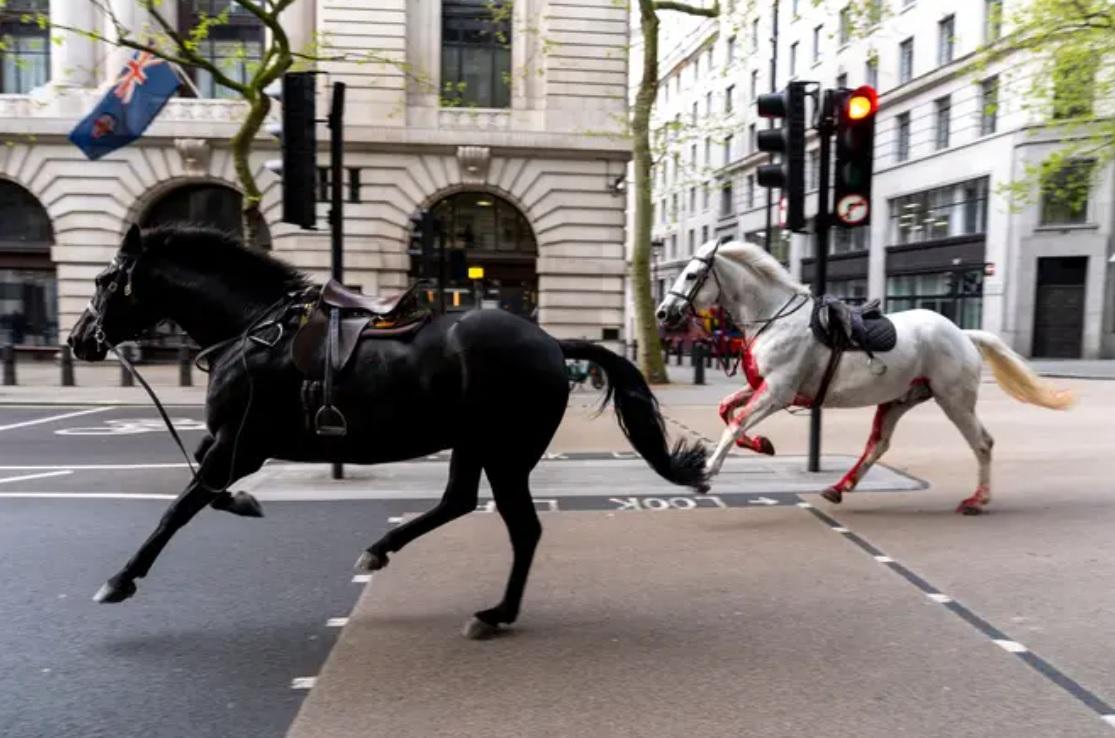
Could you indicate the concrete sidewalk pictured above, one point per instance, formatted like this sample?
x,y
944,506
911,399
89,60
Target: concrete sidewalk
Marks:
x,y
735,623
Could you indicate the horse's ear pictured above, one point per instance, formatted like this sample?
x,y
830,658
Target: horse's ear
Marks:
x,y
133,242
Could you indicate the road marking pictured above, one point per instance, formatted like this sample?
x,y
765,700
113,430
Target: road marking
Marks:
x,y
394,520
880,559
362,579
837,529
1012,646
84,496
52,418
44,475
93,467
1089,699
336,622
303,682
805,505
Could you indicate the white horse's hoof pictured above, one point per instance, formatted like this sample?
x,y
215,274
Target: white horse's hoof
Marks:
x,y
477,630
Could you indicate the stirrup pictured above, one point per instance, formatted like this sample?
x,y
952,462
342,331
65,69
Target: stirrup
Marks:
x,y
329,421
872,362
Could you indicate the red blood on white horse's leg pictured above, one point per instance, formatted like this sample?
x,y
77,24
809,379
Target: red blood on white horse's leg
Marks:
x,y
848,482
758,444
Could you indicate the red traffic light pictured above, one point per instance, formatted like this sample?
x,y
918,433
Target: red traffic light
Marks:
x,y
860,104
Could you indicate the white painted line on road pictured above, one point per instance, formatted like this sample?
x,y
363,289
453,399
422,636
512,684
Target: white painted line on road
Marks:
x,y
44,475
336,622
52,418
941,599
804,505
884,559
303,682
84,496
362,579
395,520
93,467
1012,646
837,529
1109,719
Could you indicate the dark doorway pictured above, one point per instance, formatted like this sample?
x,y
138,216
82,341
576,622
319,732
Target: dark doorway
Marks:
x,y
495,246
1059,307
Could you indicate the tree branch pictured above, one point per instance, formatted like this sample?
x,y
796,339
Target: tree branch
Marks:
x,y
686,8
193,58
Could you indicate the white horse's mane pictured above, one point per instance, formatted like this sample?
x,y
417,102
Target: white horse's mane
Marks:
x,y
765,265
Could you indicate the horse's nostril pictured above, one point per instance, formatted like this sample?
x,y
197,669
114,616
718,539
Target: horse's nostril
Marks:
x,y
661,314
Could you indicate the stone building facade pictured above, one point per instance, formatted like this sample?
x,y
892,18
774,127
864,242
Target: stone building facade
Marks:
x,y
524,160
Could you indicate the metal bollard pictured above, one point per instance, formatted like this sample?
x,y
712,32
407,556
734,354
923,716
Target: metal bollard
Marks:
x,y
184,378
635,351
708,358
698,363
681,352
126,378
67,367
9,365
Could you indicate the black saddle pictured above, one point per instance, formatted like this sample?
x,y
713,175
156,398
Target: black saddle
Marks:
x,y
332,328
845,327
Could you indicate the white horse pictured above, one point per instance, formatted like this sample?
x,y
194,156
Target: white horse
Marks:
x,y
785,364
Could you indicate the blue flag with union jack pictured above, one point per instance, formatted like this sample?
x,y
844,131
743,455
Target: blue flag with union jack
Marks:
x,y
140,92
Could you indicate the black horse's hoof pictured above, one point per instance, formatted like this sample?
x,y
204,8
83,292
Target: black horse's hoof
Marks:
x,y
765,446
369,561
702,488
239,503
114,591
833,495
487,624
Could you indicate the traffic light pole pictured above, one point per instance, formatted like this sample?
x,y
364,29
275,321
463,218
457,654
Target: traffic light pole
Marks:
x,y
825,129
767,235
441,275
337,200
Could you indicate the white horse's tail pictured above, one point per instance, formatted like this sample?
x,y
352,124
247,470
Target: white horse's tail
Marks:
x,y
1015,376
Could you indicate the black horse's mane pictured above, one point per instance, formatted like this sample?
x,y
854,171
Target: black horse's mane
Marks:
x,y
207,249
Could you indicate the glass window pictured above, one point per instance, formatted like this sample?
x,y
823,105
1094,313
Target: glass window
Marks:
x,y
729,93
704,234
755,35
727,203
849,240
476,53
957,294
943,212
24,47
728,150
842,80
852,291
1074,86
992,20
794,59
902,137
946,37
754,84
943,108
692,241
24,224
215,206
989,105
871,71
1064,197
906,61
751,190
751,138
845,24
817,43
234,46
731,49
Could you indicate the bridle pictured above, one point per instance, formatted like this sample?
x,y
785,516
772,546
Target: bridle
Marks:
x,y
122,279
699,281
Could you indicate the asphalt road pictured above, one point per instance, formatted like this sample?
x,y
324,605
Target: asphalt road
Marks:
x,y
233,612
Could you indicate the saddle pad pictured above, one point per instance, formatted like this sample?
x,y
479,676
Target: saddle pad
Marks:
x,y
878,334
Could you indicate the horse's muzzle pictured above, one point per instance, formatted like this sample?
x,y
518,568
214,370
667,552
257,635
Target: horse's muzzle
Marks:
x,y
83,340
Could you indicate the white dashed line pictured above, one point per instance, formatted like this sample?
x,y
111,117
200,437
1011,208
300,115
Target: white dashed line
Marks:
x,y
362,579
336,622
884,559
1109,719
52,418
804,505
1012,646
84,496
395,520
303,682
41,475
939,598
837,529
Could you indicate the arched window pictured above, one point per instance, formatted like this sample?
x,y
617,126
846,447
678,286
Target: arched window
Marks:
x,y
28,290
491,254
216,206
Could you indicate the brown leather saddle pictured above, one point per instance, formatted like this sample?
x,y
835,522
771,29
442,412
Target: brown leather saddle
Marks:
x,y
331,330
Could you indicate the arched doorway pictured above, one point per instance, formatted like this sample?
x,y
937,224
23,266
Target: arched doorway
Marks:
x,y
28,286
485,234
213,205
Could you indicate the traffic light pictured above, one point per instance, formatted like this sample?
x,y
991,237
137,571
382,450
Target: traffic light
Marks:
x,y
789,142
458,267
855,141
423,230
298,136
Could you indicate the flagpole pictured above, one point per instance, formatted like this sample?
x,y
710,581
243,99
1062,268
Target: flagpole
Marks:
x,y
185,78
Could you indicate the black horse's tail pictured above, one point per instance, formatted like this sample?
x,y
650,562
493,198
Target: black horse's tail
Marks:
x,y
638,415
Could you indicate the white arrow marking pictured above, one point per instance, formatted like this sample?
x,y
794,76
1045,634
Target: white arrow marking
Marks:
x,y
762,501
43,475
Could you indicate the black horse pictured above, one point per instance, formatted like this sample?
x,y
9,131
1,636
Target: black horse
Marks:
x,y
488,385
